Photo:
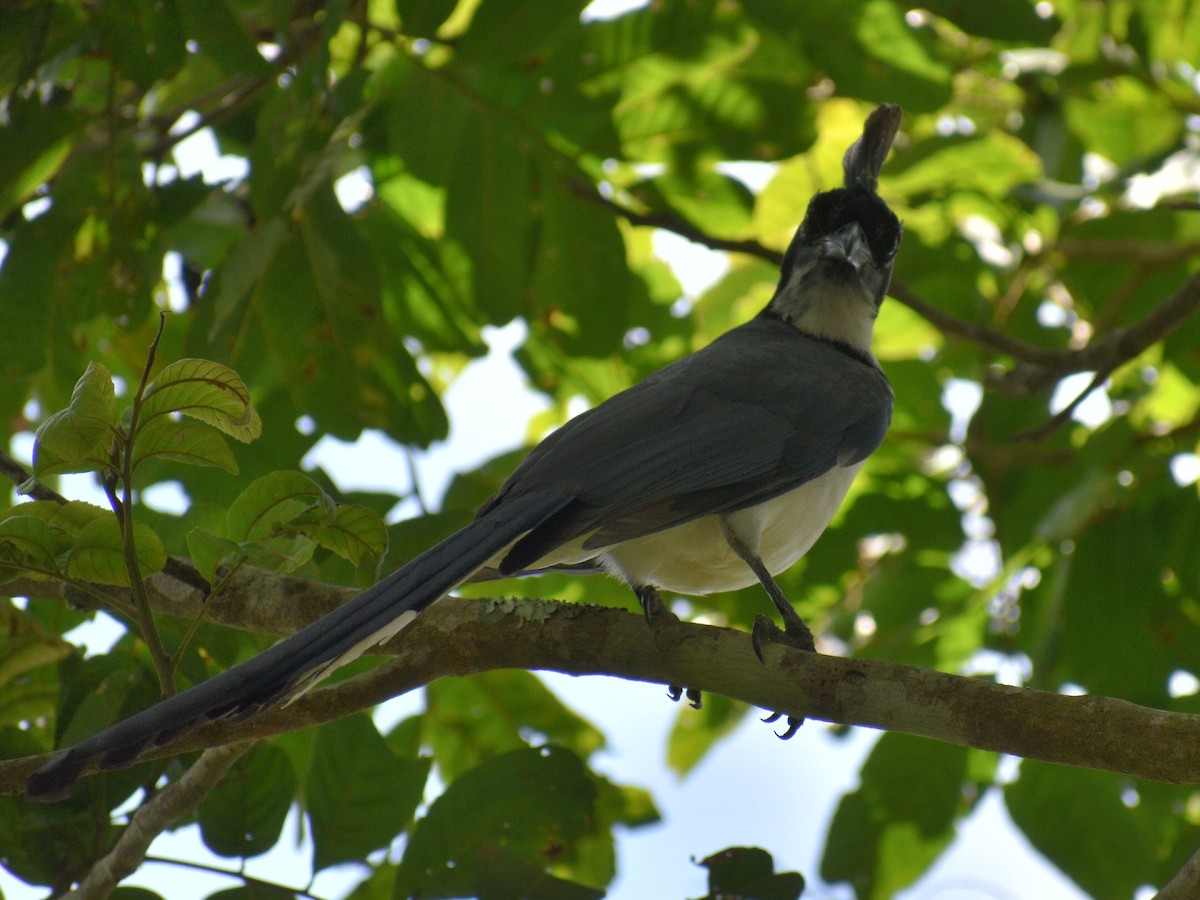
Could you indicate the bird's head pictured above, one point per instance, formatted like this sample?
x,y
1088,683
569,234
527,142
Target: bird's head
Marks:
x,y
837,270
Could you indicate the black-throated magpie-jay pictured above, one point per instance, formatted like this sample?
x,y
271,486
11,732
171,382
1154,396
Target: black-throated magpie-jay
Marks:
x,y
717,471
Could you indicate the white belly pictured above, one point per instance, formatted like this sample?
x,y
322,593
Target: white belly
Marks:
x,y
695,558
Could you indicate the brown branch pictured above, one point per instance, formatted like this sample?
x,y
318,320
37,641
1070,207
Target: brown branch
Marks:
x,y
1044,365
463,637
977,334
1060,418
153,818
1186,883
16,473
669,221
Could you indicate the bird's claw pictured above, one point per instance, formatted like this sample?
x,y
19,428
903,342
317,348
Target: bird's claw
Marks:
x,y
765,631
674,691
653,608
793,725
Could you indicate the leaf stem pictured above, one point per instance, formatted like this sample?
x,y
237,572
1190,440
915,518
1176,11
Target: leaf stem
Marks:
x,y
163,665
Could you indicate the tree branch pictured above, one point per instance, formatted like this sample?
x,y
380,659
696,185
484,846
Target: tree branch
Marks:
x,y
1186,883
463,637
153,818
1043,365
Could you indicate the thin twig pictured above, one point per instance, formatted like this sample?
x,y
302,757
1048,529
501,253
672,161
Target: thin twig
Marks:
x,y
1186,883
25,482
1060,418
155,816
1107,352
145,617
246,879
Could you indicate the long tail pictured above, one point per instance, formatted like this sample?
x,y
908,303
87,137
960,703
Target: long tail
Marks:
x,y
289,668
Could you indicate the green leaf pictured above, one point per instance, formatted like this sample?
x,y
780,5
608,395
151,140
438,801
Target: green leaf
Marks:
x,y
528,802
208,551
271,503
714,202
1003,20
98,553
1067,620
580,284
1077,819
65,518
221,37
355,533
509,31
204,390
991,164
192,443
243,815
490,214
510,875
358,794
31,540
421,18
696,731
748,873
22,653
469,720
247,892
77,439
889,831
282,505
28,298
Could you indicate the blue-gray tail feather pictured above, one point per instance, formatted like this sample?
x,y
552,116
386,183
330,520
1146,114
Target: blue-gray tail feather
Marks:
x,y
289,667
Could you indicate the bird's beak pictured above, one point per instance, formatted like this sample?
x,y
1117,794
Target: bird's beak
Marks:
x,y
849,244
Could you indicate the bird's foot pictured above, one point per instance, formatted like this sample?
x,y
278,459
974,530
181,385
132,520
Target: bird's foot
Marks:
x,y
657,615
799,636
765,632
653,608
674,691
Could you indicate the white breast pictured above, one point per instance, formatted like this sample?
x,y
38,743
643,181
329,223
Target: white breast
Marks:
x,y
696,559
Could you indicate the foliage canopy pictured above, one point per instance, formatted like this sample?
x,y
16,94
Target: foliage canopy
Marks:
x,y
520,156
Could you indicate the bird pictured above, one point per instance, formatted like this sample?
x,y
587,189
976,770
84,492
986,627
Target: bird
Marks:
x,y
718,471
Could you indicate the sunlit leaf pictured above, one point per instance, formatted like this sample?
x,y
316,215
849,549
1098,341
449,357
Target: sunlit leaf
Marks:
x,y
355,533
272,501
204,390
77,439
193,443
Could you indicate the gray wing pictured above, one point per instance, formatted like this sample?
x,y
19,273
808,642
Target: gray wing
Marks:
x,y
758,412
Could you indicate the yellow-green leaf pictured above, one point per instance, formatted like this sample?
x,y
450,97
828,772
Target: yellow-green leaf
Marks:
x,y
207,391
354,534
77,439
193,443
272,502
31,540
208,551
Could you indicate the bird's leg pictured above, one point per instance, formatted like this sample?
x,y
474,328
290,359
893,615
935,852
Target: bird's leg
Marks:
x,y
795,632
656,612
